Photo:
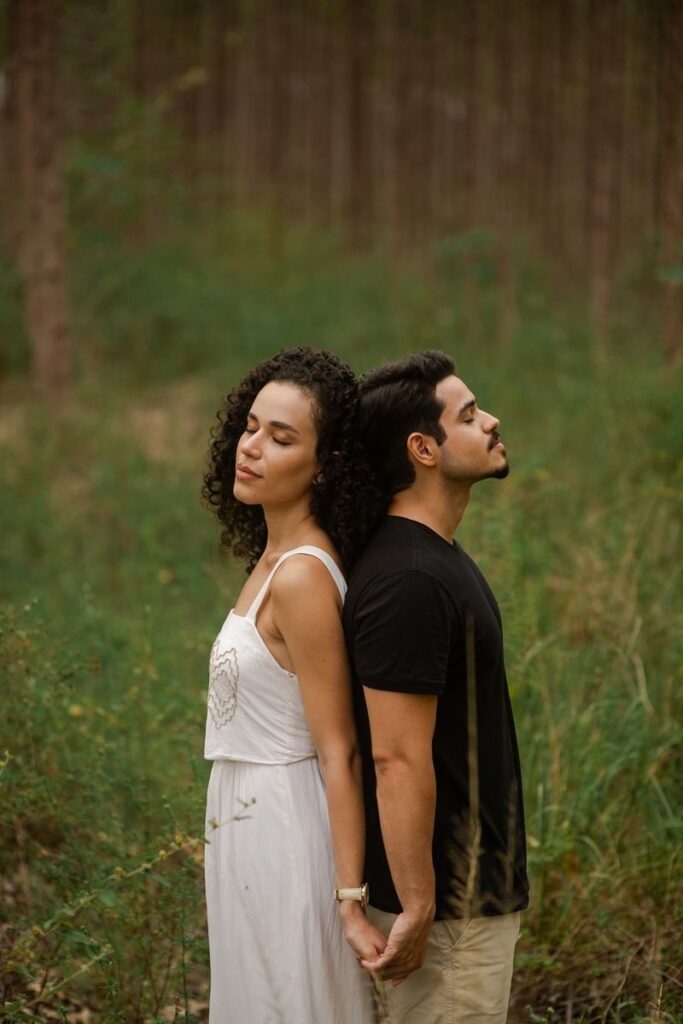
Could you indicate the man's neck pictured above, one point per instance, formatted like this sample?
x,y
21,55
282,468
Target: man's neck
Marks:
x,y
441,513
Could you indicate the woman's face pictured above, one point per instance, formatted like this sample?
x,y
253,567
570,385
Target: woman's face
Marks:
x,y
276,455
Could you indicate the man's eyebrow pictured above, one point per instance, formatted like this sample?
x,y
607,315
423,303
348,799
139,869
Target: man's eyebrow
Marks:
x,y
274,423
468,405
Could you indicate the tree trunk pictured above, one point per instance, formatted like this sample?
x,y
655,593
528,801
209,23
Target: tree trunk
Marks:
x,y
670,184
42,216
505,113
11,226
603,118
359,211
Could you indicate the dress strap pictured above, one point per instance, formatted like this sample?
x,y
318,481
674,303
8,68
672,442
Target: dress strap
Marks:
x,y
306,549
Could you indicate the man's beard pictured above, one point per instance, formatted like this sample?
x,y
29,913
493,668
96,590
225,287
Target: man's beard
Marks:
x,y
455,474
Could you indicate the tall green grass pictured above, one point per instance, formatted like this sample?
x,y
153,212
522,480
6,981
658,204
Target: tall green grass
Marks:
x,y
112,591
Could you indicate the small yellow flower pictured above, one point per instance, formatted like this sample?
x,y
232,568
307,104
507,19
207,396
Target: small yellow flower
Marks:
x,y
76,710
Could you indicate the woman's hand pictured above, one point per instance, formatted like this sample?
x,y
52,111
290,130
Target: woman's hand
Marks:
x,y
364,938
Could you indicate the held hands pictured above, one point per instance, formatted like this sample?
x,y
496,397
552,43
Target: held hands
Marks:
x,y
366,941
405,948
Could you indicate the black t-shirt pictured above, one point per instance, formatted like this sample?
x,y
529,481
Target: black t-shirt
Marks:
x,y
416,609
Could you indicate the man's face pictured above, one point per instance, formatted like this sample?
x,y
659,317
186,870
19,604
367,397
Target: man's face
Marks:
x,y
472,450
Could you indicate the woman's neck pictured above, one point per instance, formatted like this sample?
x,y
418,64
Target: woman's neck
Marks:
x,y
287,528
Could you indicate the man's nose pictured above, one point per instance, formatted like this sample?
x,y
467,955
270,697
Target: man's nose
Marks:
x,y
492,423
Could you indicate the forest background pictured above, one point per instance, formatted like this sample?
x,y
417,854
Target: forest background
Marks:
x,y
189,186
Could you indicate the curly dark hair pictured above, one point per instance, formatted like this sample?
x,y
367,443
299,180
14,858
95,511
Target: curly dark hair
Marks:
x,y
347,502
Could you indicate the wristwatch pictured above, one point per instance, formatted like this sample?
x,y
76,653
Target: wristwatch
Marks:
x,y
360,895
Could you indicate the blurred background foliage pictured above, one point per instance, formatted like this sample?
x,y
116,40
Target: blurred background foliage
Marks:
x,y
186,188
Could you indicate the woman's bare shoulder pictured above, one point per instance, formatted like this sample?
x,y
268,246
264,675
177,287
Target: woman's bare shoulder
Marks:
x,y
319,539
304,579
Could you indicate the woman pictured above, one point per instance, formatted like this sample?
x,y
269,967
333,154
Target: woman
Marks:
x,y
284,802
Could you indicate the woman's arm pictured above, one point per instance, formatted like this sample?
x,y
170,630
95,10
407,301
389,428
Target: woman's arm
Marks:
x,y
306,611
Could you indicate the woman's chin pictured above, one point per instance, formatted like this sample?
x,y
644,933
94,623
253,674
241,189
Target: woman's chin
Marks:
x,y
244,493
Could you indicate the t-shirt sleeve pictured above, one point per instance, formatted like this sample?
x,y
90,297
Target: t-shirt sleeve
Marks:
x,y
402,630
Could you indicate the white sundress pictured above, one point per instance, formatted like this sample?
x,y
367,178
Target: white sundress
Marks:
x,y
278,955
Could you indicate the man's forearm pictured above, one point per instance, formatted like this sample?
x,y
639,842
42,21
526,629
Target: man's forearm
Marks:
x,y
406,798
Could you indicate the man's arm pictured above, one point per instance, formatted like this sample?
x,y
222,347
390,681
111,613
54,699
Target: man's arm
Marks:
x,y
401,636
402,727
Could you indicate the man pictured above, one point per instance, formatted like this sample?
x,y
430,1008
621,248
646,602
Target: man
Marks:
x,y
445,848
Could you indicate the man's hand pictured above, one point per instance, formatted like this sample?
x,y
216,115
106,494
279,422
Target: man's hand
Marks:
x,y
364,938
405,948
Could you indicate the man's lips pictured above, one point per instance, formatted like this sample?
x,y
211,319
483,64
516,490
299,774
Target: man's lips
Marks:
x,y
495,442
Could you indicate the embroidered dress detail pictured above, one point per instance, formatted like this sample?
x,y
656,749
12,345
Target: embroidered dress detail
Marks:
x,y
223,677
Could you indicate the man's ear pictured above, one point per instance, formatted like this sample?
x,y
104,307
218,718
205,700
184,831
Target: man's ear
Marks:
x,y
422,448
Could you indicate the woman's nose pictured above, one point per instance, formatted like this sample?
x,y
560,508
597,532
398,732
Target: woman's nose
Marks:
x,y
250,444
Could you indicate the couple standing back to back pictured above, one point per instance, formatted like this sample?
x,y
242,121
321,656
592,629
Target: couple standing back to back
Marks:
x,y
362,740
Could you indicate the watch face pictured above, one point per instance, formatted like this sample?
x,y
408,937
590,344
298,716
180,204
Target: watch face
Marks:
x,y
361,894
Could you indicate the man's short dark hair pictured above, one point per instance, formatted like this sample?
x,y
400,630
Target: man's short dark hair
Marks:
x,y
396,400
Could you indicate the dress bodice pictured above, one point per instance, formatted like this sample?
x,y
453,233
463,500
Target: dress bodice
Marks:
x,y
255,711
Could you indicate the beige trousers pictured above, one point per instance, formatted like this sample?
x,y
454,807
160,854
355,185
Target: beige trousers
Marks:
x,y
465,978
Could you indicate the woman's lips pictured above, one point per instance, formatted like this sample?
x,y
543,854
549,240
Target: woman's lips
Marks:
x,y
244,473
